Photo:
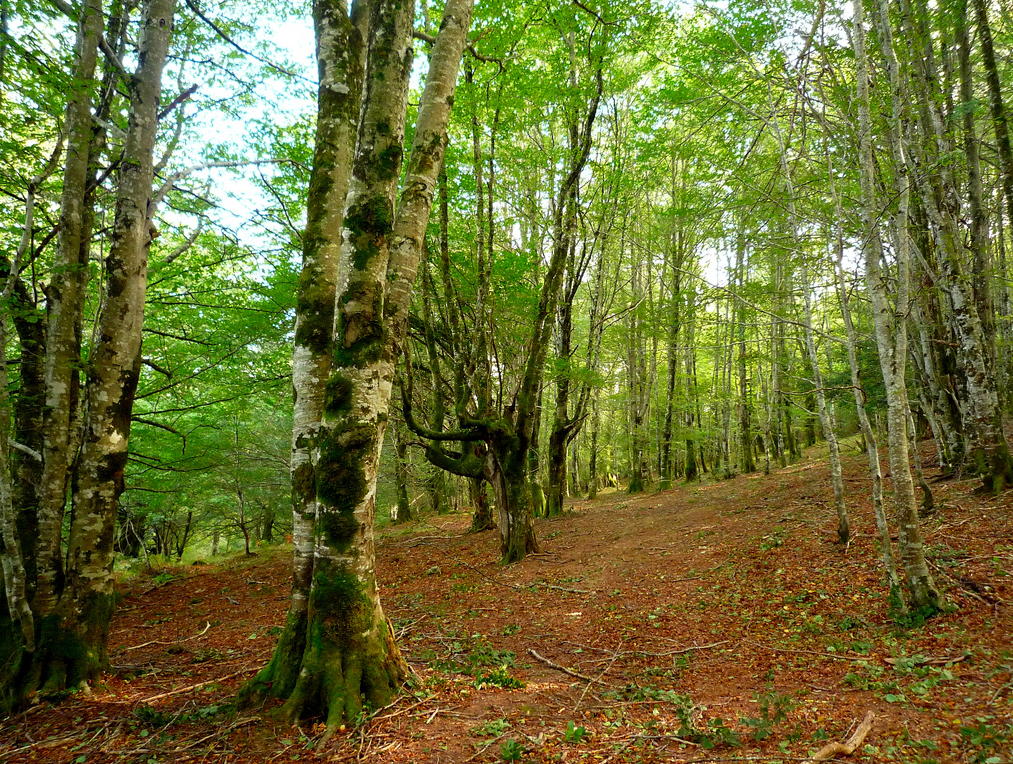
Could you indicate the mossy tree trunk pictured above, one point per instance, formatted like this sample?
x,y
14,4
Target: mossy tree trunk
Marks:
x,y
73,595
340,34
349,659
482,519
403,510
507,472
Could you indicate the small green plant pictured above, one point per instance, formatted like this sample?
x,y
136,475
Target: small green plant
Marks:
x,y
772,540
208,711
498,677
774,709
988,739
162,578
491,728
511,750
848,622
574,735
481,653
712,734
207,654
151,717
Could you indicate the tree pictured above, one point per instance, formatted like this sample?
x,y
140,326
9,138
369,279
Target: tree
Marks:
x,y
890,327
72,597
337,650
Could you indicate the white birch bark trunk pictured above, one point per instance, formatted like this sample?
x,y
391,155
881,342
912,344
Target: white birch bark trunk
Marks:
x,y
871,445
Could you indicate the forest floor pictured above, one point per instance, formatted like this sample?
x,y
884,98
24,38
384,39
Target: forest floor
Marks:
x,y
713,622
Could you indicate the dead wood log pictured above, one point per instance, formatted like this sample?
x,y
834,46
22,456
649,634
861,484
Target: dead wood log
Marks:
x,y
830,750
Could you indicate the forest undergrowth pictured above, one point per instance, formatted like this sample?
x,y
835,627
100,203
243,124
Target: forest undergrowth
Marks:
x,y
712,622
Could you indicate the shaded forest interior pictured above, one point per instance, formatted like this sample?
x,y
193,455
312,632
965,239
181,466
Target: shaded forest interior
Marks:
x,y
282,275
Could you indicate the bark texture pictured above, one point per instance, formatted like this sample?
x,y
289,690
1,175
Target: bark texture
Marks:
x,y
349,659
63,298
340,69
890,325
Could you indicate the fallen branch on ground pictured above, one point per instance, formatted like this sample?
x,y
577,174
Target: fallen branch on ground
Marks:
x,y
176,642
805,652
830,750
197,686
679,652
564,669
560,588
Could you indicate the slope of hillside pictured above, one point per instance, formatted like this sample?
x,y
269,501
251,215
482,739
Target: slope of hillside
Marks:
x,y
713,622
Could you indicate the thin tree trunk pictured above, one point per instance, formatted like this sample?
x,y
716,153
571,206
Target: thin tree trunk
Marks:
x,y
63,304
115,362
748,464
403,510
592,482
891,336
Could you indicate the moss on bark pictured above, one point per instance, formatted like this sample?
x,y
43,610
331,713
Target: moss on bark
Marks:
x,y
278,678
350,661
69,653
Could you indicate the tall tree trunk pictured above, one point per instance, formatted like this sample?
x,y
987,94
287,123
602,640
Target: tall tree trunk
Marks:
x,y
350,656
895,596
689,357
999,125
975,196
340,68
592,468
748,464
64,298
559,435
114,366
891,335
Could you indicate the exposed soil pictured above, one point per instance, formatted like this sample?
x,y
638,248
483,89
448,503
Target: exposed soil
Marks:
x,y
713,622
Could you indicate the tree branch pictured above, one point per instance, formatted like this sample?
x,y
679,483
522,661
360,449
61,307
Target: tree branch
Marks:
x,y
114,60
170,182
187,243
221,33
25,450
431,40
181,98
